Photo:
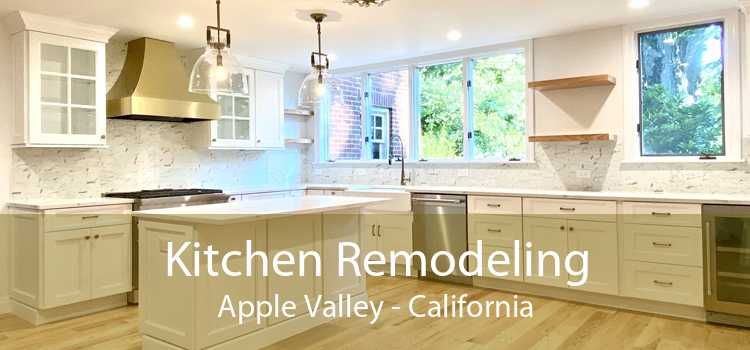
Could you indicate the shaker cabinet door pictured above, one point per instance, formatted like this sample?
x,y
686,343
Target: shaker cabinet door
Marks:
x,y
67,267
111,260
269,110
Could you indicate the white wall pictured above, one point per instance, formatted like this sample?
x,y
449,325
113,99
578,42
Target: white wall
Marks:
x,y
292,82
5,161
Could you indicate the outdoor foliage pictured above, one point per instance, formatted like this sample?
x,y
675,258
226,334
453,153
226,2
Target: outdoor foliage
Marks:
x,y
681,85
499,108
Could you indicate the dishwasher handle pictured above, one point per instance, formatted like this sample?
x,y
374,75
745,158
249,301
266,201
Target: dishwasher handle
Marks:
x,y
438,201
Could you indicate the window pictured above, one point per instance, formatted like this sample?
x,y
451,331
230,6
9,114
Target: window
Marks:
x,y
682,91
389,109
471,106
683,95
499,107
441,109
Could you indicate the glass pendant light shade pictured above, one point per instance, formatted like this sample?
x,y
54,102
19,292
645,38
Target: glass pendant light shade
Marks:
x,y
209,76
313,90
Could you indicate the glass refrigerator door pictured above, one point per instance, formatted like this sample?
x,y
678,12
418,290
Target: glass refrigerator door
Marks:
x,y
732,258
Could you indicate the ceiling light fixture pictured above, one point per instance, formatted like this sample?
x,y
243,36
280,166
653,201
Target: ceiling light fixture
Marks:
x,y
454,35
315,84
366,3
638,4
217,71
185,22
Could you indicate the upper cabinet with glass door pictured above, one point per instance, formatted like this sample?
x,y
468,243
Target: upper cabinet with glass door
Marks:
x,y
59,82
254,121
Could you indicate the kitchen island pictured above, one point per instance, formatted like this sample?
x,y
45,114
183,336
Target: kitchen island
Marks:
x,y
181,312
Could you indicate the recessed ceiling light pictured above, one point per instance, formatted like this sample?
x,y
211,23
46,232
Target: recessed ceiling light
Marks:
x,y
638,4
185,22
454,35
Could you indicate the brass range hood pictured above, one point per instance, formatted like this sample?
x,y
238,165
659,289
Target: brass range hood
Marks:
x,y
153,86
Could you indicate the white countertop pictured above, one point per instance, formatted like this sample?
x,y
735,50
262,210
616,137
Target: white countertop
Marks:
x,y
48,204
262,209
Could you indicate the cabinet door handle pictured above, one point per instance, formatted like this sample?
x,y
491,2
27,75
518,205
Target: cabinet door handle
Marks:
x,y
87,238
104,137
96,236
663,284
562,228
379,231
571,229
708,259
372,230
655,213
567,209
661,245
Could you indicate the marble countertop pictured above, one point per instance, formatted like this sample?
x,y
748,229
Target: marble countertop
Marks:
x,y
48,204
236,212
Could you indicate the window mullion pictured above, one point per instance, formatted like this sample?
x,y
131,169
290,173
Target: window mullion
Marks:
x,y
415,111
364,116
468,108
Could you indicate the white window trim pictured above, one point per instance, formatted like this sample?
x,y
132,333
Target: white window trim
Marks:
x,y
733,118
411,65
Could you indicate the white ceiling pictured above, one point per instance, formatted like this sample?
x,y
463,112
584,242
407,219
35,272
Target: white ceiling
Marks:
x,y
269,29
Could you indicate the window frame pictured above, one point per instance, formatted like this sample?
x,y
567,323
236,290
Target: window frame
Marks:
x,y
411,65
733,113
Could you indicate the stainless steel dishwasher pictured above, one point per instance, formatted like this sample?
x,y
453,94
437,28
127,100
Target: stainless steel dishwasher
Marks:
x,y
440,225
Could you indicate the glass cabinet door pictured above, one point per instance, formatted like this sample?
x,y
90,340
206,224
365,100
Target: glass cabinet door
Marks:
x,y
732,242
70,104
235,127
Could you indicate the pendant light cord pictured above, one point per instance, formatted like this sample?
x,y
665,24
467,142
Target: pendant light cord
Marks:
x,y
218,18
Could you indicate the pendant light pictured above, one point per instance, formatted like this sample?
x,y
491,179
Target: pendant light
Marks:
x,y
316,84
217,71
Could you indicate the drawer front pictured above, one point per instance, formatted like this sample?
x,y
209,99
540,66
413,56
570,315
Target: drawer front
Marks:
x,y
510,268
664,244
497,230
494,205
666,283
571,209
669,214
76,218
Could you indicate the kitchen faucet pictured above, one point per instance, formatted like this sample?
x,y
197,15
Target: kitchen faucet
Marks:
x,y
404,179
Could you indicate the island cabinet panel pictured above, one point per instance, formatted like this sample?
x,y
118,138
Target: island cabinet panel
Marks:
x,y
167,304
211,291
341,227
294,234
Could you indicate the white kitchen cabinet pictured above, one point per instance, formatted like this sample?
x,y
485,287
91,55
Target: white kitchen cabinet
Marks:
x,y
67,267
70,257
59,82
563,236
269,110
599,239
111,260
546,235
386,233
252,121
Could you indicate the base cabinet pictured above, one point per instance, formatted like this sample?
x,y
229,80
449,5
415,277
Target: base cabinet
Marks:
x,y
387,233
67,268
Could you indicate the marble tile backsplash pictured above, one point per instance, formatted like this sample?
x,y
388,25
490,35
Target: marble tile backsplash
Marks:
x,y
573,166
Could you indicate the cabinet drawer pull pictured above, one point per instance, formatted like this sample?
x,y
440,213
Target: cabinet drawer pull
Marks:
x,y
490,205
90,217
494,230
662,245
655,213
379,231
372,230
662,283
567,209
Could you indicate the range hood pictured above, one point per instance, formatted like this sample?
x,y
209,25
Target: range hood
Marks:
x,y
153,86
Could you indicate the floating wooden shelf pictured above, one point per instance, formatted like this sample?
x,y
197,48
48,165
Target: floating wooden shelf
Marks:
x,y
572,83
298,113
564,138
300,141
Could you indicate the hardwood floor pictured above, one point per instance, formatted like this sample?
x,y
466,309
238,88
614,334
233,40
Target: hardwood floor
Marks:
x,y
555,325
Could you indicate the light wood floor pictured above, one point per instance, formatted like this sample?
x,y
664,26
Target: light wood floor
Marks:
x,y
556,325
